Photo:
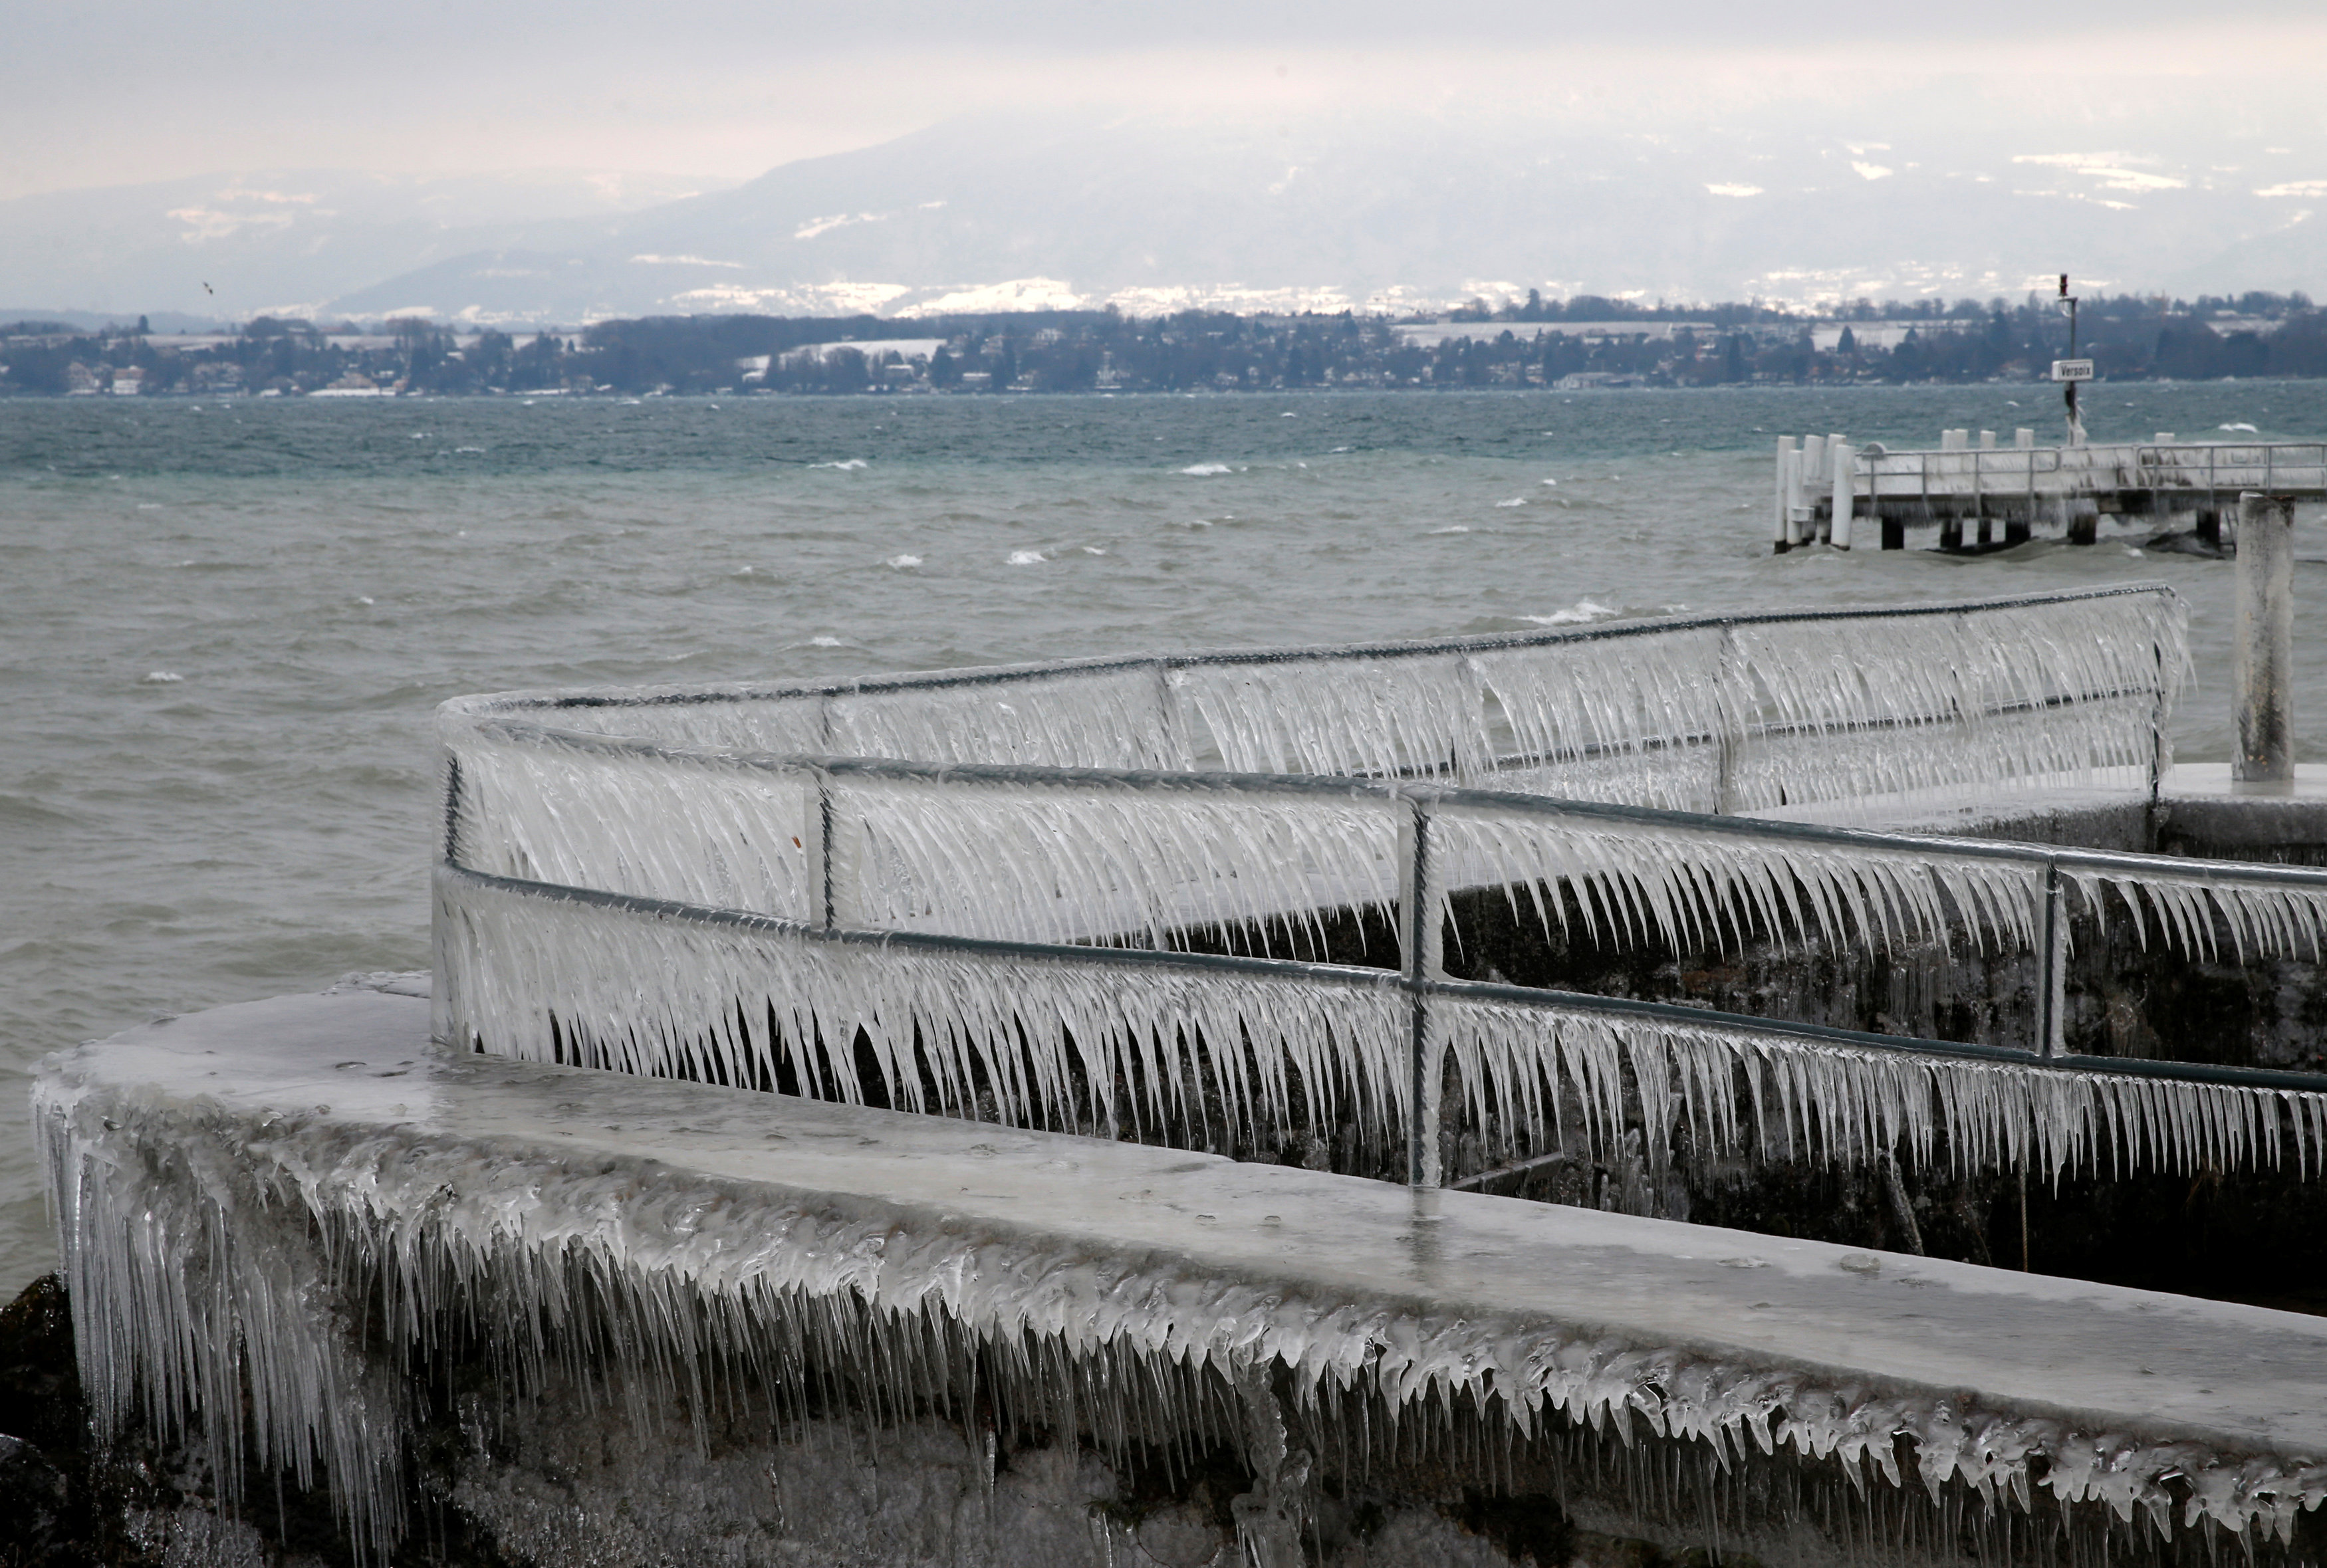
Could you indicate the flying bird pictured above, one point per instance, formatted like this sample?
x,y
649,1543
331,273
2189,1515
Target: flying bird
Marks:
x,y
207,290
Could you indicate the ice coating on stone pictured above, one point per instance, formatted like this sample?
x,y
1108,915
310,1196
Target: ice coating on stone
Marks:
x,y
237,1185
1061,1040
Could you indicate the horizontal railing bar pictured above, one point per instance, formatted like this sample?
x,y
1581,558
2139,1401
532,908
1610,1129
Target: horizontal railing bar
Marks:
x,y
1333,786
1352,975
1411,647
1346,975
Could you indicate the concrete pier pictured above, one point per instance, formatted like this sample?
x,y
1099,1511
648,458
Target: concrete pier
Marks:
x,y
2263,652
2026,487
702,1203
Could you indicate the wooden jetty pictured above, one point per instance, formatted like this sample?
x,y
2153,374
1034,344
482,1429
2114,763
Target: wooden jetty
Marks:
x,y
1830,490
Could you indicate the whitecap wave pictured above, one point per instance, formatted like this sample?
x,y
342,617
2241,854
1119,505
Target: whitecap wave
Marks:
x,y
1027,557
1576,614
162,678
903,563
1514,502
846,465
1452,529
1205,470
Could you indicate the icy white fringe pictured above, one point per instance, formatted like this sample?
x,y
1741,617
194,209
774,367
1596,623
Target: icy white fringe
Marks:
x,y
188,1295
1143,859
1692,716
1113,1042
697,1279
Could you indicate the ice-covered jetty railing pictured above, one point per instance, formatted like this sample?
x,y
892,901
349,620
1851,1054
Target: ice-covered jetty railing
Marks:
x,y
704,886
1734,712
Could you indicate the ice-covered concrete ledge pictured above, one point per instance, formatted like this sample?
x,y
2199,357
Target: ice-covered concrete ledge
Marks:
x,y
2000,1380
2230,817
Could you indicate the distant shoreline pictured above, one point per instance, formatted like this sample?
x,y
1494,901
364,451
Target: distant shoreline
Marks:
x,y
1584,344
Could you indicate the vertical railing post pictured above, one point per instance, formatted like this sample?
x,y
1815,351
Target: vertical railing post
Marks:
x,y
1729,714
823,904
1171,750
452,806
2262,661
1422,948
2053,979
447,1020
2160,743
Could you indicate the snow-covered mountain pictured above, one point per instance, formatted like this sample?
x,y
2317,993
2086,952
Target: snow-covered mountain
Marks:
x,y
1148,212
284,240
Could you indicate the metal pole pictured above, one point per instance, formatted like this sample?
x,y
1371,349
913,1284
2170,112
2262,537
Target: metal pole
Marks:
x,y
822,904
1732,720
2051,1002
1421,941
2263,657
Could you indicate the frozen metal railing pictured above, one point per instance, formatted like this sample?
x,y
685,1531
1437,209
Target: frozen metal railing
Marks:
x,y
647,986
976,907
1734,712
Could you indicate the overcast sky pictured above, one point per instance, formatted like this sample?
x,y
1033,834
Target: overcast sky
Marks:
x,y
97,92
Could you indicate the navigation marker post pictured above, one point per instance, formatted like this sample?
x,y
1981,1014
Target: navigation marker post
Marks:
x,y
2067,370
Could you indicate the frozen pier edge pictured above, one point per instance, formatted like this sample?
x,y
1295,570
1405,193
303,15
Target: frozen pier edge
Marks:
x,y
1255,901
237,1183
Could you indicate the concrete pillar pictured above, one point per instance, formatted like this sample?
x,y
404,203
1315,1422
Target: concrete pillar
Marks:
x,y
2263,627
1780,535
1845,491
1813,472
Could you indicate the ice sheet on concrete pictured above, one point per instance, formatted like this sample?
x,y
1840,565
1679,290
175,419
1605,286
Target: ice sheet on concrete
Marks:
x,y
1690,1331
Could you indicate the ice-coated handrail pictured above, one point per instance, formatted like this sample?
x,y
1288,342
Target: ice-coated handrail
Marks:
x,y
645,696
961,855
1752,702
1342,1029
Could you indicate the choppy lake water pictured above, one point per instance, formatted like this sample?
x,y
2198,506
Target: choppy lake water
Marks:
x,y
223,625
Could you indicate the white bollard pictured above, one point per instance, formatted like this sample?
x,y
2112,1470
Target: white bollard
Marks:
x,y
2263,654
1951,441
1987,440
2023,438
1846,491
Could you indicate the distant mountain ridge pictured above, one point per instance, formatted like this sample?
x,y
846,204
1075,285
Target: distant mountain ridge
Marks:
x,y
288,241
1149,214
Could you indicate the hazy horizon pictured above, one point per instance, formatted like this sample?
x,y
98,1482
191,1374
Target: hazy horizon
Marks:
x,y
253,158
